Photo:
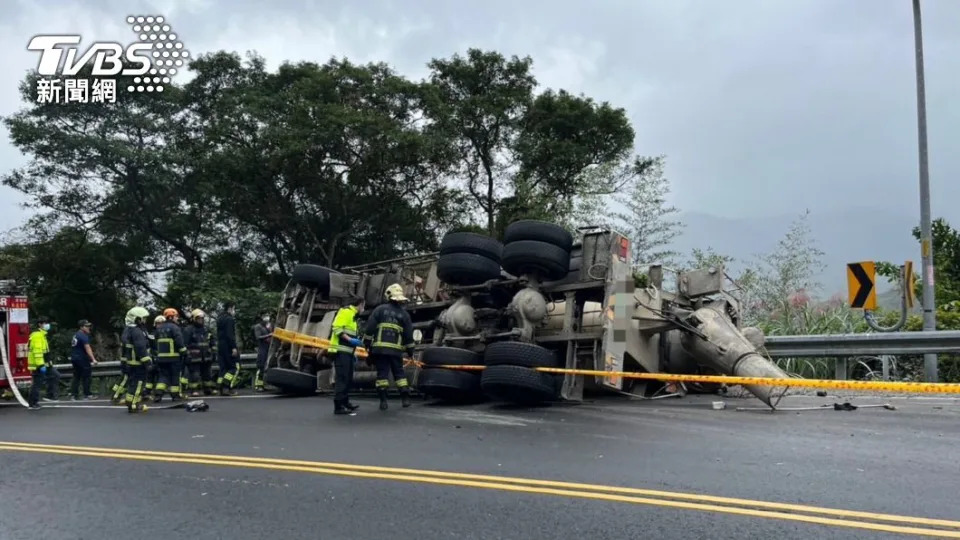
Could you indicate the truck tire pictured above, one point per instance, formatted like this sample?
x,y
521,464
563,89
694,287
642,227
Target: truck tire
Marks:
x,y
518,384
290,381
450,385
313,276
465,242
518,353
531,256
540,231
467,269
450,356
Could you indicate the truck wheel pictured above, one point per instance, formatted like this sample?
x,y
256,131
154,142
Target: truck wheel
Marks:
x,y
535,257
451,356
450,385
540,231
518,353
465,242
313,276
467,269
518,384
290,381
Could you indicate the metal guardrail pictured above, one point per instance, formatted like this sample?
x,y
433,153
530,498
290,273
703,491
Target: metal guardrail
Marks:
x,y
112,368
878,344
809,346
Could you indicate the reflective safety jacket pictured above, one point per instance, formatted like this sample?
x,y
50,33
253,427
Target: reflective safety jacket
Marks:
x,y
344,322
389,330
136,346
170,345
39,349
197,340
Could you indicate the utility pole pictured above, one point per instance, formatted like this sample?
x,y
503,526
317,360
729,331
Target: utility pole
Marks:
x,y
926,233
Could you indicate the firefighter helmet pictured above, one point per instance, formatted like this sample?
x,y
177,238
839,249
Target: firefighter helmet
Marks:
x,y
170,313
158,320
136,315
197,314
395,293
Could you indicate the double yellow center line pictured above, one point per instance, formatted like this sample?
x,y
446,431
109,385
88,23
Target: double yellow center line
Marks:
x,y
687,501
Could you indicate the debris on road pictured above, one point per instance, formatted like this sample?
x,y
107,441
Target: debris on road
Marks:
x,y
845,406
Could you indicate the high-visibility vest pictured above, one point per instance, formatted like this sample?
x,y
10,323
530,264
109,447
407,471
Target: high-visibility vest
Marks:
x,y
344,322
38,348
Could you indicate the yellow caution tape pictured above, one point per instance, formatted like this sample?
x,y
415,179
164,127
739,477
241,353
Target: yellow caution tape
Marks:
x,y
881,386
310,341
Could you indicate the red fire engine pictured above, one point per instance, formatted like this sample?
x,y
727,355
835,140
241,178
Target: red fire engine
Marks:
x,y
15,326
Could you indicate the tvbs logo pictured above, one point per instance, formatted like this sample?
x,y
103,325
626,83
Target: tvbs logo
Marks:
x,y
107,56
151,60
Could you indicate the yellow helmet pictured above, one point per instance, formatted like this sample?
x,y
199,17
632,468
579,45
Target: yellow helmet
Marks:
x,y
158,320
395,293
134,314
197,314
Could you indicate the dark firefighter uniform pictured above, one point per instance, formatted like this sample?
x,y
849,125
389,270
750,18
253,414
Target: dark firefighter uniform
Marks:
x,y
262,334
152,374
389,332
199,357
170,351
136,353
344,339
120,389
228,351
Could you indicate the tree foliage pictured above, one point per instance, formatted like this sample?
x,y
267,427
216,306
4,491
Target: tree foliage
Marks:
x,y
213,191
518,155
648,220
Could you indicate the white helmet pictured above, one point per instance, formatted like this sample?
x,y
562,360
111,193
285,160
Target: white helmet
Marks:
x,y
395,293
158,320
197,314
135,314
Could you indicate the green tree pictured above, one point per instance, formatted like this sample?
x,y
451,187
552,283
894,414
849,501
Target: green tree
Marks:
x,y
786,277
649,221
946,261
110,169
69,276
301,157
523,156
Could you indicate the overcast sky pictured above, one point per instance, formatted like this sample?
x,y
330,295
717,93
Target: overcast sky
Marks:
x,y
761,106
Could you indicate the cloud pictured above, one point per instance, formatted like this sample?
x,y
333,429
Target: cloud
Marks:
x,y
763,108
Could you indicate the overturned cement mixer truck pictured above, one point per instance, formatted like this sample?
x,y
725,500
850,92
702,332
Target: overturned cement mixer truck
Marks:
x,y
538,299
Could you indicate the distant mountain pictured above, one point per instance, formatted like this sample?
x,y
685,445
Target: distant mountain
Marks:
x,y
844,236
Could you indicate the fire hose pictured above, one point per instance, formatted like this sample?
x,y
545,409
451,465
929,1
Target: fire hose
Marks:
x,y
8,371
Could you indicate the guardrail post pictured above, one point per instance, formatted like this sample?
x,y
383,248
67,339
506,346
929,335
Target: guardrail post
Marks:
x,y
841,369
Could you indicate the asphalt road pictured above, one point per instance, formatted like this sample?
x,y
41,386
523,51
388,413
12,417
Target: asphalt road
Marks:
x,y
901,462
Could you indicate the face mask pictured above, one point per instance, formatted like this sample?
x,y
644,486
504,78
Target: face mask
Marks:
x,y
46,327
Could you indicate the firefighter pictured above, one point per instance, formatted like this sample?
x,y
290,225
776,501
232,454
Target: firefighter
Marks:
x,y
136,352
152,376
170,350
343,343
39,363
262,334
389,332
199,360
227,350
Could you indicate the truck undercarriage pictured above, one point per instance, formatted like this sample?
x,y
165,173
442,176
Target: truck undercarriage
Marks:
x,y
539,299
